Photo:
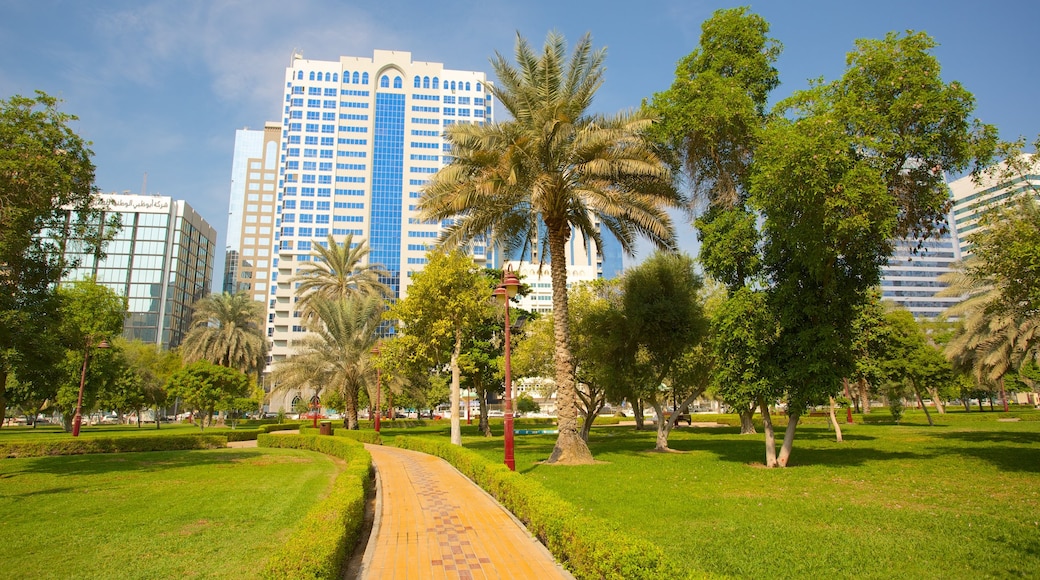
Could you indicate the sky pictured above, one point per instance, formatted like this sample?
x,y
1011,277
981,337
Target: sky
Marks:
x,y
160,86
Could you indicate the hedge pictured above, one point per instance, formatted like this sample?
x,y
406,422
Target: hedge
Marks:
x,y
588,547
321,542
279,427
365,436
242,434
77,446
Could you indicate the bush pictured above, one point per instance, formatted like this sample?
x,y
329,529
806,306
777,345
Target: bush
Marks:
x,y
77,446
590,548
318,547
365,436
242,434
280,427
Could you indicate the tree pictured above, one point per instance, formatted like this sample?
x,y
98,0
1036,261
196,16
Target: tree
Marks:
x,y
338,271
44,167
845,168
337,354
910,359
665,325
153,367
743,333
552,170
716,107
228,330
444,304
89,313
205,387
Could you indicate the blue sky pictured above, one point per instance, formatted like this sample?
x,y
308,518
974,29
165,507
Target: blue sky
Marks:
x,y
160,86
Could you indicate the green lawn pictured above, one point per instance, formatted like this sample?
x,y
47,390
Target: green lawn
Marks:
x,y
214,513
959,500
51,431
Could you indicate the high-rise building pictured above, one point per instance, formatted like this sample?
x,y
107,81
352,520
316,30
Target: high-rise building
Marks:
x,y
971,200
357,140
252,211
161,260
911,278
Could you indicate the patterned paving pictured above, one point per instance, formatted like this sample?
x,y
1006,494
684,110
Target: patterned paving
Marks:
x,y
435,523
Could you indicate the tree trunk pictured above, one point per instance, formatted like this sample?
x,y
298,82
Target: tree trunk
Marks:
x,y
350,420
921,402
484,427
3,396
939,405
967,404
637,413
990,397
586,427
747,424
570,449
664,426
834,422
767,426
456,424
785,449
864,396
1003,395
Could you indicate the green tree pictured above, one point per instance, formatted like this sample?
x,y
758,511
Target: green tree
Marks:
x,y
205,387
445,302
338,271
44,167
552,170
665,325
337,353
526,404
911,360
89,313
153,367
743,335
228,330
715,109
848,167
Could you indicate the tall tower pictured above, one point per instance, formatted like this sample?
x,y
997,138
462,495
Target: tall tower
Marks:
x,y
359,138
971,200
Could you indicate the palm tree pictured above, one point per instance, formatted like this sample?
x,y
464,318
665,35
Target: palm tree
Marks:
x,y
227,330
552,172
339,271
337,352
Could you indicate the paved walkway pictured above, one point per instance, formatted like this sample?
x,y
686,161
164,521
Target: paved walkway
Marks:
x,y
432,522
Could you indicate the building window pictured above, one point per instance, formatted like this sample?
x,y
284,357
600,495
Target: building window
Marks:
x,y
384,82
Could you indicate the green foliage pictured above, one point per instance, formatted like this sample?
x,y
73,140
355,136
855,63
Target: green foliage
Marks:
x,y
83,445
337,353
329,531
587,546
338,271
715,108
204,387
526,404
743,334
227,330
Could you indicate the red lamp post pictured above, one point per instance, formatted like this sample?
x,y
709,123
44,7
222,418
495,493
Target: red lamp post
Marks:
x,y
77,419
379,389
505,291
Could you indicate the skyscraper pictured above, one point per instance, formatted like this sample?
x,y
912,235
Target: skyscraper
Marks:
x,y
971,200
911,279
161,260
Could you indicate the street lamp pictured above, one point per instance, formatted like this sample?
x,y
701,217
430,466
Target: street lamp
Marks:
x,y
379,388
505,291
77,419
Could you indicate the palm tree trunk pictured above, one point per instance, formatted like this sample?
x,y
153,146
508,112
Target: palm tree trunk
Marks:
x,y
570,448
456,426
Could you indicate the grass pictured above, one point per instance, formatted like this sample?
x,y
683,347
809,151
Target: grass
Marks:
x,y
959,500
200,514
52,431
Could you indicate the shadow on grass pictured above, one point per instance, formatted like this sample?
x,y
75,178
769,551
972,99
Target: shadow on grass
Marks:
x,y
101,463
1006,450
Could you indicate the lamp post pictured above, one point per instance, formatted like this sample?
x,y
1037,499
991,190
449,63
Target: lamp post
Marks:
x,y
77,419
505,291
379,388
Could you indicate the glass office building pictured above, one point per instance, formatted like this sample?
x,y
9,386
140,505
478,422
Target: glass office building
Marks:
x,y
161,260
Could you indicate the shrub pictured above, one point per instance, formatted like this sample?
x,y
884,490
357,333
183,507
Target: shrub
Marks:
x,y
318,547
590,548
280,427
242,434
77,446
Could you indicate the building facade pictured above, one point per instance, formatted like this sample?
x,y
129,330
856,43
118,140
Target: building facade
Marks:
x,y
911,278
161,260
972,200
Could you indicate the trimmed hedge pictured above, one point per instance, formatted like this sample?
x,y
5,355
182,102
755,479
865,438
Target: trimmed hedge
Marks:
x,y
355,434
242,434
78,446
279,427
321,542
589,547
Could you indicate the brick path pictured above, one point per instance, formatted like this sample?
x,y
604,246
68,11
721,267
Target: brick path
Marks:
x,y
432,522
